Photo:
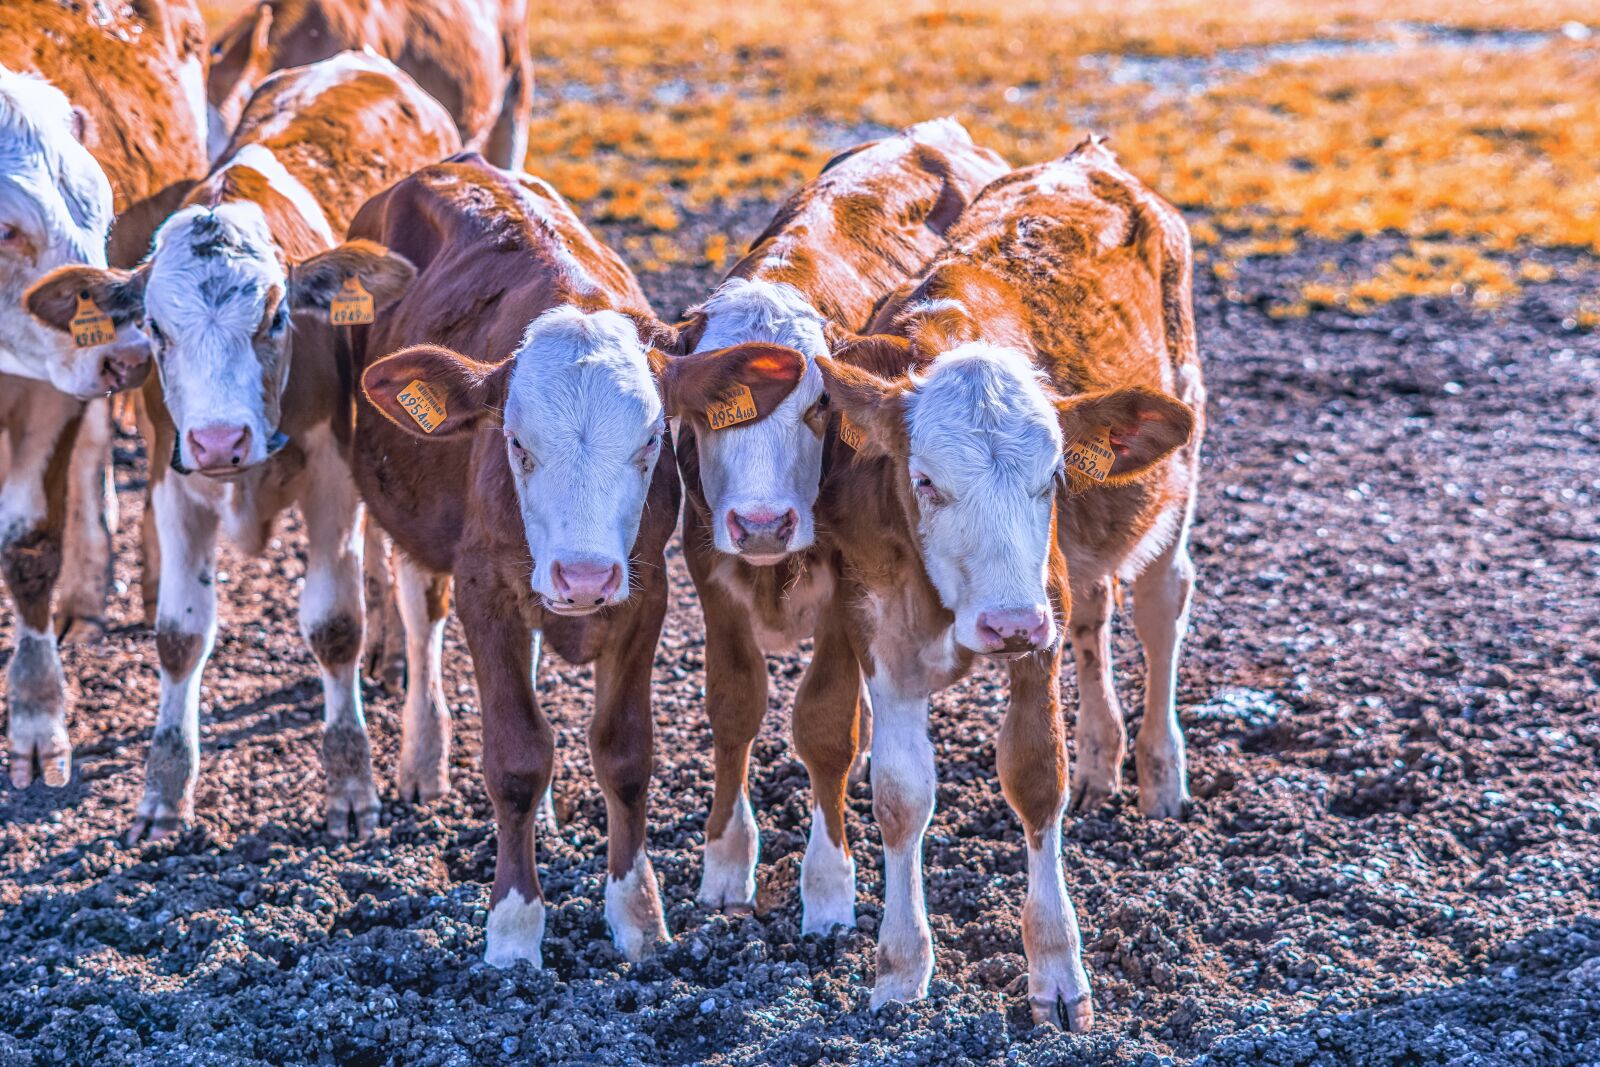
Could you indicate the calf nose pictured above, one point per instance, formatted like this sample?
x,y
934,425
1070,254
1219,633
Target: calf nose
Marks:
x,y
1013,629
584,583
125,366
218,446
762,533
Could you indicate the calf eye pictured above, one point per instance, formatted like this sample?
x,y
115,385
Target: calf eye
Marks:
x,y
9,234
925,489
280,319
520,456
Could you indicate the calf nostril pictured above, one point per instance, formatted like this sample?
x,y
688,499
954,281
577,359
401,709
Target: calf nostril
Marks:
x,y
735,531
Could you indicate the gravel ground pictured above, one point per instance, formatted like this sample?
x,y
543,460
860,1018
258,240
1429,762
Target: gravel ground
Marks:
x,y
1390,698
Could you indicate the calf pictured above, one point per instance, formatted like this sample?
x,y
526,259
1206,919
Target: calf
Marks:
x,y
471,55
69,158
532,468
766,580
1045,443
237,298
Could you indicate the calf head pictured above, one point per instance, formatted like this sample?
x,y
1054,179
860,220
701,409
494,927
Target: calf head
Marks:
x,y
760,475
55,209
976,459
218,300
583,427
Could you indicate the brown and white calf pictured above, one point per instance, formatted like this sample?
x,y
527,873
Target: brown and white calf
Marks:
x,y
246,416
70,157
1054,337
473,56
766,578
523,452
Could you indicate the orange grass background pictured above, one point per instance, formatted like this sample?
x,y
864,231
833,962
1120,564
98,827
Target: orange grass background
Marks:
x,y
652,110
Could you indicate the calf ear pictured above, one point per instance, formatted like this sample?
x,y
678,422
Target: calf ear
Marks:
x,y
53,299
435,393
315,280
691,384
1142,426
875,407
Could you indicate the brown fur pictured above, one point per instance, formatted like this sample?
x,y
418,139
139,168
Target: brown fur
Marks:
x,y
487,268
845,240
481,71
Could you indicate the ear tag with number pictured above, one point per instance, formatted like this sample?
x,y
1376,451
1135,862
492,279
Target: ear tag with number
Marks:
x,y
733,407
850,433
423,403
352,305
90,325
1091,456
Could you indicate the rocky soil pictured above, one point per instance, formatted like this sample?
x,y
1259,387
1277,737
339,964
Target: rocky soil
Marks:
x,y
1390,696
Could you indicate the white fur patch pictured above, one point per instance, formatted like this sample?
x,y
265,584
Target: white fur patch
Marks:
x,y
54,192
583,404
633,909
515,931
729,877
827,881
984,432
260,159
773,465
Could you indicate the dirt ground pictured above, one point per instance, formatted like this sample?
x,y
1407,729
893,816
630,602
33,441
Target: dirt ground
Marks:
x,y
1389,694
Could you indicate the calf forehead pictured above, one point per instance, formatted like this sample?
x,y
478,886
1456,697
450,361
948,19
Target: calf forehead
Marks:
x,y
982,411
582,375
213,267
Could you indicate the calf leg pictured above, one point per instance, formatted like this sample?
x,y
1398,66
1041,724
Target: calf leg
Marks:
x,y
32,514
91,522
622,748
826,735
149,534
545,814
186,630
518,757
424,601
387,636
903,782
331,621
1032,758
1102,737
1161,597
736,700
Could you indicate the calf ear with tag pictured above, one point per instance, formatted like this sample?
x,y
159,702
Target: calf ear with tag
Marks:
x,y
91,325
352,305
731,408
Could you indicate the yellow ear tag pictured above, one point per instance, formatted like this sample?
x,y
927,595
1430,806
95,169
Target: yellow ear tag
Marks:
x,y
1091,457
423,403
90,325
733,407
352,305
850,433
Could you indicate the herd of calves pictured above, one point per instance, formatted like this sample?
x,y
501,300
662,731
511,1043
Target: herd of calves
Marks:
x,y
937,412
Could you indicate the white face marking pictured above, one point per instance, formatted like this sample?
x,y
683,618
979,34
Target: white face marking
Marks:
x,y
773,466
584,427
55,209
223,365
985,453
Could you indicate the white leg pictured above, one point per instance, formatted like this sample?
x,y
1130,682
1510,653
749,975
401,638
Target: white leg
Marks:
x,y
515,931
91,521
425,722
1161,597
331,620
902,801
1102,737
1058,986
728,877
827,880
36,417
186,630
633,910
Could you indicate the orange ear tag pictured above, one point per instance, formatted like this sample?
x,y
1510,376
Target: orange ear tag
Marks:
x,y
733,407
850,433
423,403
352,305
90,325
1092,456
